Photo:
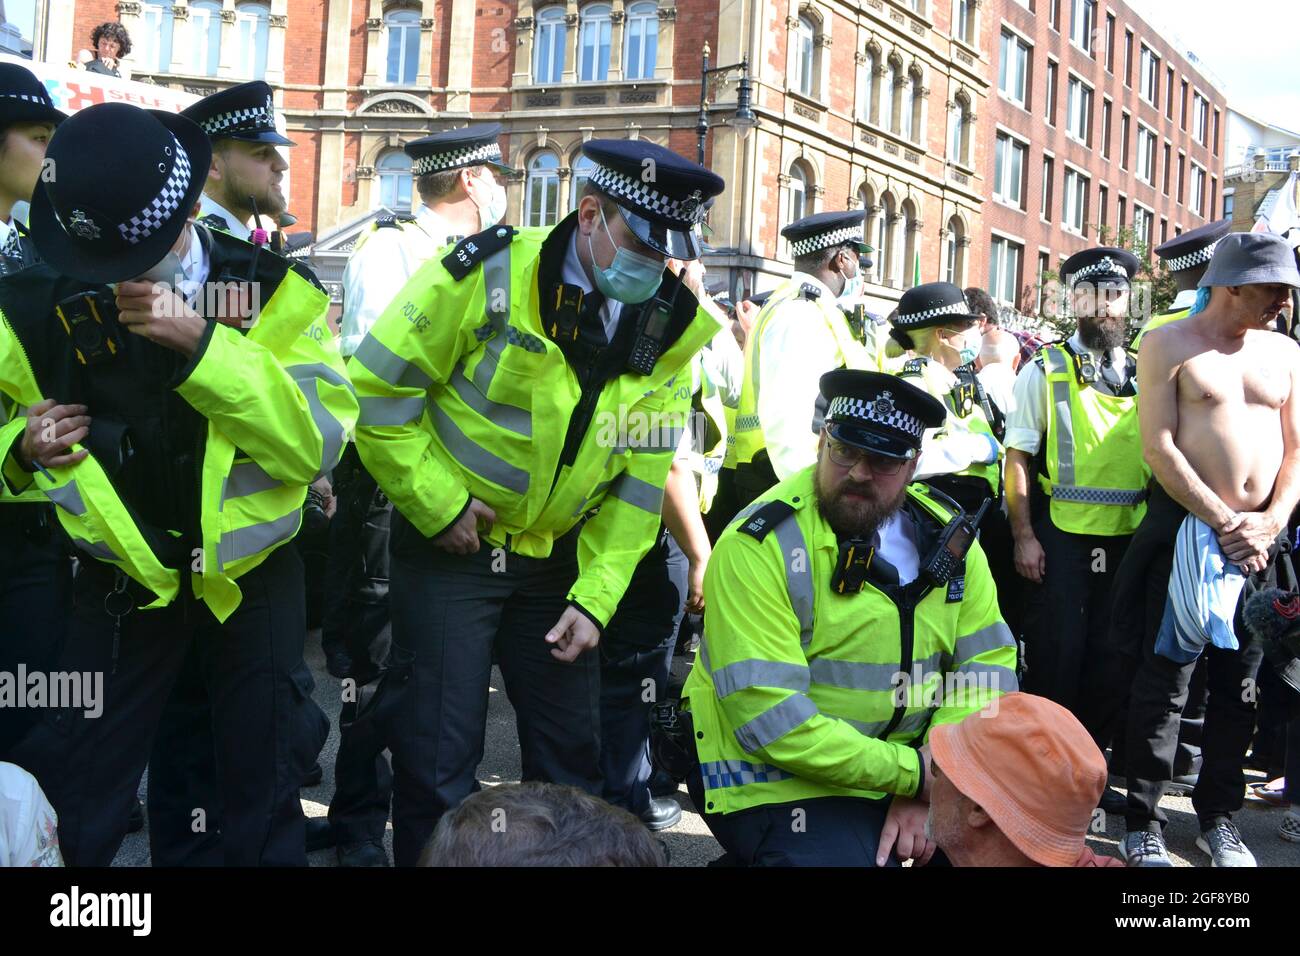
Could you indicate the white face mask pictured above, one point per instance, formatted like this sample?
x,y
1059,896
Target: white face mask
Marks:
x,y
970,345
495,210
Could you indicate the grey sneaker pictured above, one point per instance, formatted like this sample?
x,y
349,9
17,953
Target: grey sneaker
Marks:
x,y
1223,843
1144,848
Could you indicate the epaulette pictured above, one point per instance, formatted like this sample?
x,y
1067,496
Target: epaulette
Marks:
x,y
213,221
472,250
766,518
392,222
809,291
914,366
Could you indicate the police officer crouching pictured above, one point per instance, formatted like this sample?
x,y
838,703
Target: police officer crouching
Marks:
x,y
846,613
208,419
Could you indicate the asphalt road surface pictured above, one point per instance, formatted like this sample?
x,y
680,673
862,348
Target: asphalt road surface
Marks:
x,y
689,842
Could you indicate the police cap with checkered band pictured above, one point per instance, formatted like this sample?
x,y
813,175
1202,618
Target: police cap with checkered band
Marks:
x,y
1100,264
126,182
826,229
878,412
24,98
661,195
932,304
474,145
1193,248
244,112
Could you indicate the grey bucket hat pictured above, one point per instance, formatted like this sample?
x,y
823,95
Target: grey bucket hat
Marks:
x,y
1251,258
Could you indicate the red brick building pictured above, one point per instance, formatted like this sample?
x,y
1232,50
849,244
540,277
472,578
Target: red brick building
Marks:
x,y
1094,123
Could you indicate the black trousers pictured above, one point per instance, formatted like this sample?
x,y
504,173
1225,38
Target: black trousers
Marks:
x,y
1160,688
1066,623
635,656
449,613
35,590
356,636
260,697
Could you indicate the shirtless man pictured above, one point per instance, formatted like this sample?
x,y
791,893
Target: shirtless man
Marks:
x,y
1219,407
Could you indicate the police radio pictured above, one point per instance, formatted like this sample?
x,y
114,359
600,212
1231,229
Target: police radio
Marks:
x,y
95,339
950,550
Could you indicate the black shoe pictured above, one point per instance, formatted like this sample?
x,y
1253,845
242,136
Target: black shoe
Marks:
x,y
662,784
320,835
661,814
135,819
367,853
1182,784
314,776
1113,802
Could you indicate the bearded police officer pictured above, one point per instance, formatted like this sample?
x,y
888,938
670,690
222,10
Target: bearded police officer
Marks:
x,y
526,391
1074,434
208,417
1186,257
846,613
800,334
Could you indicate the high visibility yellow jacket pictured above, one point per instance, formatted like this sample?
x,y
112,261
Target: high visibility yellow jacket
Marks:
x,y
465,395
1096,475
966,417
800,692
278,407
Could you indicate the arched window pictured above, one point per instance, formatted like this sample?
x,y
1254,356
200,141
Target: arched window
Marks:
x,y
885,240
402,41
205,30
252,26
642,37
910,238
953,267
593,43
582,168
906,99
911,107
804,56
958,130
890,96
548,46
155,41
867,87
542,198
394,171
870,229
797,201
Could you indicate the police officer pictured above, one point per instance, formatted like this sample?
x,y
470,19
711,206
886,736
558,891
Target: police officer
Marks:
x,y
207,420
799,334
526,380
1074,435
35,573
243,185
845,614
1186,257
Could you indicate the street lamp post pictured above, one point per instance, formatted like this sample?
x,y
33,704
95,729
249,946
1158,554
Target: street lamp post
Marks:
x,y
743,121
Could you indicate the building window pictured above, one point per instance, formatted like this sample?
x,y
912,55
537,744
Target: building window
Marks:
x,y
1149,76
1074,214
1169,93
909,107
1196,196
911,235
1008,170
885,240
1182,172
1215,145
1200,109
1168,163
1164,229
804,48
1228,203
641,38
1013,68
1128,58
1142,225
1079,110
1044,263
548,47
953,265
964,21
594,28
1049,172
1146,154
542,196
1110,43
1105,129
394,171
1054,14
582,168
1103,197
797,205
1083,20
1214,196
1121,212
1051,94
866,87
1183,99
1004,270
253,27
958,131
403,44
1123,142
155,37
205,30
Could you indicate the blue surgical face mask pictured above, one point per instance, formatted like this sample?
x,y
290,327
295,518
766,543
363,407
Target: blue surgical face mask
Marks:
x,y
972,342
631,277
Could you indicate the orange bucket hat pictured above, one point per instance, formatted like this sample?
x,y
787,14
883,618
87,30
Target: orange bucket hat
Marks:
x,y
1032,767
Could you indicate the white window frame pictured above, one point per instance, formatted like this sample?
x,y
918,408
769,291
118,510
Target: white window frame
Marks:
x,y
1003,271
1148,218
805,57
393,171
1148,75
253,19
866,84
1013,48
1195,197
1083,23
1005,148
549,175
205,35
551,38
594,24
1078,109
1144,167
644,15
401,23
581,171
1200,118
958,120
1075,200
906,108
155,39
963,18
801,188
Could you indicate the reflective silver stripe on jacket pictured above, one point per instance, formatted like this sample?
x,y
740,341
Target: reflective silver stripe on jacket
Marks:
x,y
775,722
509,417
246,542
247,478
379,412
911,724
798,563
596,494
741,675
96,549
636,492
659,440
985,639
388,366
1003,678
475,457
1063,419
332,432
68,497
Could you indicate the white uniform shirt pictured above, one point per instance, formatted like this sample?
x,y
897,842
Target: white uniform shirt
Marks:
x,y
1027,421
28,825
574,274
999,381
954,446
234,225
376,272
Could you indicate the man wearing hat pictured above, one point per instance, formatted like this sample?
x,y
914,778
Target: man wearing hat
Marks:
x,y
523,397
1075,483
800,333
845,614
35,573
203,419
1220,413
1016,784
1186,257
243,185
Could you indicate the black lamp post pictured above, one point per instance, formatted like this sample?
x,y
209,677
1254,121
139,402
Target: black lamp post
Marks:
x,y
743,121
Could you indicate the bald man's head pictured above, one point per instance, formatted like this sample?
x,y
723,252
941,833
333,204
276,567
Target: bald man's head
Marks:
x,y
999,346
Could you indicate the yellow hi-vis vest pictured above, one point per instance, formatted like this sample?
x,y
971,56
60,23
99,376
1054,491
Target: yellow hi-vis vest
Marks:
x,y
799,692
1155,322
463,394
1096,476
277,395
784,304
964,412
711,430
